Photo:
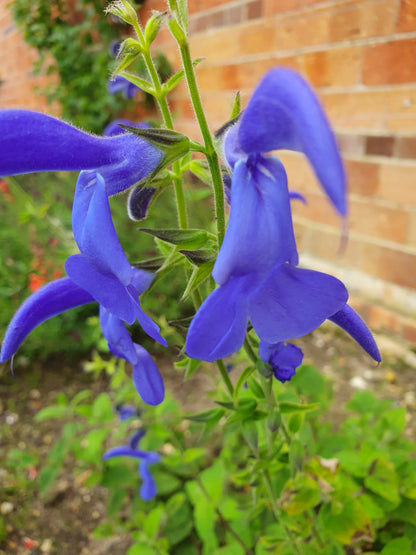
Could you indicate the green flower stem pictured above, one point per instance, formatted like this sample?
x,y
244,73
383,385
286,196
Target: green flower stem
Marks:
x,y
250,352
225,377
160,97
210,152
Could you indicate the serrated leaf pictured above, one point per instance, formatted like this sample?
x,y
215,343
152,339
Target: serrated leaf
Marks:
x,y
183,238
138,81
198,276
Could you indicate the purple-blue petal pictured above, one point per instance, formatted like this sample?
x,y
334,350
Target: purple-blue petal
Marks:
x,y
284,113
292,302
294,195
284,359
94,229
113,128
349,321
125,412
119,341
147,379
141,280
35,142
135,438
219,327
50,300
148,487
150,327
105,289
260,230
125,451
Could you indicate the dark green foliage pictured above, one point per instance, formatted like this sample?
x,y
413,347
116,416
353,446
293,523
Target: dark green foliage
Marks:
x,y
73,42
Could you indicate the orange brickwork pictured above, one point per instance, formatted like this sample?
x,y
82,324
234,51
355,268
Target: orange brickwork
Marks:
x,y
360,56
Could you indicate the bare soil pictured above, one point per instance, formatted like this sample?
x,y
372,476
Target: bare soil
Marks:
x,y
64,520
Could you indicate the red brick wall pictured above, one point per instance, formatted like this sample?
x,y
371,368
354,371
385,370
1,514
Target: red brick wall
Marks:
x,y
360,56
17,82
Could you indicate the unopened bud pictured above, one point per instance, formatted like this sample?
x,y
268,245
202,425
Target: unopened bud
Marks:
x,y
124,10
153,26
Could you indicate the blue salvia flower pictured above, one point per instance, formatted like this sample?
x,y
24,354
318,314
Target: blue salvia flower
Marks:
x,y
284,359
125,412
146,458
62,295
110,165
34,142
121,84
256,267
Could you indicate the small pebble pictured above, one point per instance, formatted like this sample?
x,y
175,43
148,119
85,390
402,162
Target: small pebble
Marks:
x,y
47,438
11,418
357,382
95,514
86,498
21,445
390,376
6,507
34,394
46,546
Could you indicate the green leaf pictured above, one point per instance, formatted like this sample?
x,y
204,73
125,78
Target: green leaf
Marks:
x,y
212,415
300,495
205,517
394,421
237,106
153,521
150,264
200,168
115,501
286,407
250,434
198,276
398,546
141,548
191,368
255,388
166,483
200,256
102,409
177,77
295,422
244,376
183,238
349,521
47,476
384,481
53,412
213,480
135,79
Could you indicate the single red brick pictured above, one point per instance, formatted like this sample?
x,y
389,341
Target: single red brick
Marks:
x,y
407,16
363,177
389,63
